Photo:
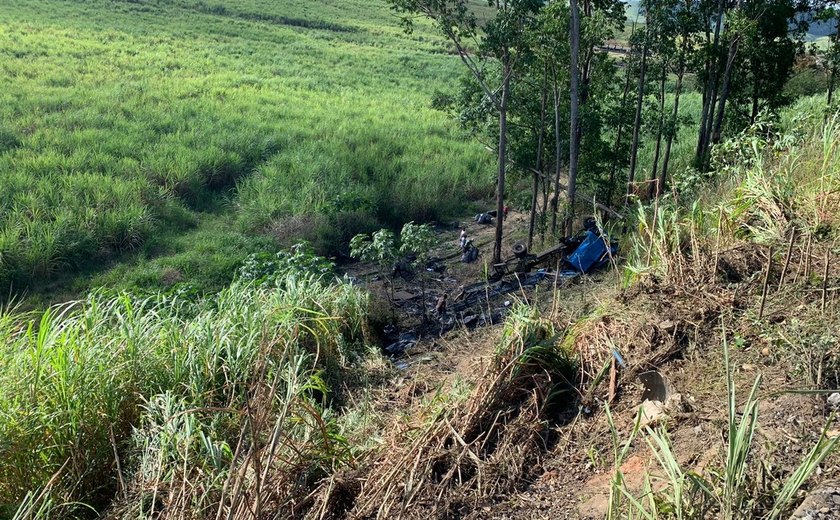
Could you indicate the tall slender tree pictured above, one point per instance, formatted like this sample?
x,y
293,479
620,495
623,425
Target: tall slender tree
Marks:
x,y
637,119
574,130
687,24
502,42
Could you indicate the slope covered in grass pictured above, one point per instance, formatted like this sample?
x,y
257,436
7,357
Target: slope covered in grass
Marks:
x,y
120,119
262,400
118,397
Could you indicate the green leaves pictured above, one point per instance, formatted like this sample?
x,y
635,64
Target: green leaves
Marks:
x,y
379,248
168,389
417,240
453,17
273,270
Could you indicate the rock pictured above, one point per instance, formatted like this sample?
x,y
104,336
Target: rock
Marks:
x,y
765,351
822,502
834,401
675,403
652,413
666,325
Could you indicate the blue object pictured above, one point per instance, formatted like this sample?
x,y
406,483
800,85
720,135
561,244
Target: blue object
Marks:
x,y
618,358
591,253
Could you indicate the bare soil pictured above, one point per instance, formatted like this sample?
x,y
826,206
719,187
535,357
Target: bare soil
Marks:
x,y
677,331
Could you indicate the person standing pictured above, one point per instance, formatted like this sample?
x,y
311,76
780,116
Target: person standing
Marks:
x,y
440,307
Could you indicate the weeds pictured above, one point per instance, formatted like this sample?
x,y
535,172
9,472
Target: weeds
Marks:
x,y
482,447
169,393
730,493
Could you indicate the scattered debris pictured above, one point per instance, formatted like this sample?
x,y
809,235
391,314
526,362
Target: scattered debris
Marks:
x,y
406,341
822,503
652,413
656,387
834,401
484,218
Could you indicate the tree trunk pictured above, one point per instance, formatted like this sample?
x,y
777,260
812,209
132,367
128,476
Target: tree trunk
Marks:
x,y
709,94
538,168
724,93
663,175
500,186
754,111
574,131
704,108
557,155
637,121
620,130
652,191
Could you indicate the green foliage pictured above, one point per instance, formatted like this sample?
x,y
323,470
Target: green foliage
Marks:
x,y
379,248
274,269
120,118
417,240
167,390
805,83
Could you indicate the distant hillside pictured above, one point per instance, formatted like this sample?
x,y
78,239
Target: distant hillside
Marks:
x,y
816,30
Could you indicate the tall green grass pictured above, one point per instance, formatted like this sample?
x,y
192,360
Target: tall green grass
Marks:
x,y
117,115
115,396
768,180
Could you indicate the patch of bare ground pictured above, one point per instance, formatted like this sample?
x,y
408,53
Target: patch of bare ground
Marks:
x,y
475,429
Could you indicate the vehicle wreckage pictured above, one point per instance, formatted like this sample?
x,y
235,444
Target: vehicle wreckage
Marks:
x,y
483,303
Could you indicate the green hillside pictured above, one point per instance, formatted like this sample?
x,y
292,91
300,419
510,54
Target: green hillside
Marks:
x,y
126,125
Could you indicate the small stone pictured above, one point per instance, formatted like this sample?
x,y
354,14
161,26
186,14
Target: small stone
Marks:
x,y
825,510
653,412
748,368
675,403
698,429
834,401
666,325
765,351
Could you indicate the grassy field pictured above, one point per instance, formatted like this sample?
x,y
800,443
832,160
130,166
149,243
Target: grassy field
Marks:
x,y
127,124
163,383
132,407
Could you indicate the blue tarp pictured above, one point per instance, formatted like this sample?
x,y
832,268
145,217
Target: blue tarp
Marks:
x,y
591,253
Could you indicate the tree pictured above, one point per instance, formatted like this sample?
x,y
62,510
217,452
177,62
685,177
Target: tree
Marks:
x,y
574,131
831,55
747,64
502,42
637,119
687,23
380,249
417,241
709,74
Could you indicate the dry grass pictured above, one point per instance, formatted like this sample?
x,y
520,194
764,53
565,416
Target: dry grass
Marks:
x,y
464,449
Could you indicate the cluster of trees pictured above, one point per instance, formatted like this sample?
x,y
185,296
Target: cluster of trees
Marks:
x,y
544,90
